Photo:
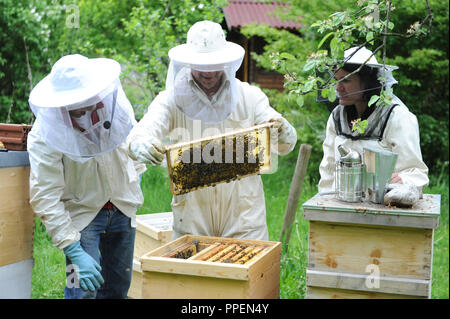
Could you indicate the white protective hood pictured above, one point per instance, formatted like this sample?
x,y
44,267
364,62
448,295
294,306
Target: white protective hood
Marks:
x,y
92,85
206,50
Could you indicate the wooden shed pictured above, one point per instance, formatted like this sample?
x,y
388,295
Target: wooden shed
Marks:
x,y
239,13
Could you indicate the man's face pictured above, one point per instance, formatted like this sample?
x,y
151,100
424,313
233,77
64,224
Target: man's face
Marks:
x,y
208,81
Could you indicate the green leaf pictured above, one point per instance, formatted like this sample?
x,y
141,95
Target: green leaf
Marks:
x,y
300,100
287,56
373,99
308,86
331,95
324,39
310,64
334,46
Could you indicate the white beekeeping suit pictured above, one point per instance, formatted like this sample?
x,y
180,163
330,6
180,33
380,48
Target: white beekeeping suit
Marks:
x,y
234,209
79,163
393,128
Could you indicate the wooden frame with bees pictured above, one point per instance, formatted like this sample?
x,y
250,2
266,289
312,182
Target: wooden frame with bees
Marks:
x,y
221,158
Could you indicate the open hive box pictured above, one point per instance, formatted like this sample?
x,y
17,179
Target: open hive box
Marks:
x,y
212,268
217,159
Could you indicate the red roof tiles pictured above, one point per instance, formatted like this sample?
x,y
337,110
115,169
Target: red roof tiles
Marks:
x,y
241,12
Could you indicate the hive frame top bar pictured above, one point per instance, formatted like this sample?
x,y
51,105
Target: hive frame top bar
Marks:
x,y
212,137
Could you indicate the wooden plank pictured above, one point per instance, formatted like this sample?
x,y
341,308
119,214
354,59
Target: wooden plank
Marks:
x,y
16,216
391,285
329,293
135,290
428,206
195,268
160,285
152,231
370,219
294,192
345,248
264,274
157,226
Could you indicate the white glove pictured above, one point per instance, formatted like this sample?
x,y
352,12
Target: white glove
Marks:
x,y
149,151
402,195
286,133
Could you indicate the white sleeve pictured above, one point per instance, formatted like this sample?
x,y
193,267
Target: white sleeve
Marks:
x,y
264,112
327,165
402,133
46,190
155,123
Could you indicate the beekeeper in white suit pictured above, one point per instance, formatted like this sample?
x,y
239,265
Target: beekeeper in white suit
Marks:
x,y
393,128
203,94
83,185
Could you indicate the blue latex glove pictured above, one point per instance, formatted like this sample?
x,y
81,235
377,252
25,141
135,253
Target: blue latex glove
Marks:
x,y
88,269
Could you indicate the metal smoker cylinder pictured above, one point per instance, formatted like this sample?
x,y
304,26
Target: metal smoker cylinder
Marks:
x,y
349,175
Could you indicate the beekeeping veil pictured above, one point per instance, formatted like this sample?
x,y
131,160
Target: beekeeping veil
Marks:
x,y
205,50
91,87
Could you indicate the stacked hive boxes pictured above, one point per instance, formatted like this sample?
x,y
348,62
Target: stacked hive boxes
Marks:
x,y
152,231
16,226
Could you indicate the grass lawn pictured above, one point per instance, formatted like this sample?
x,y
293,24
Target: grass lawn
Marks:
x,y
49,277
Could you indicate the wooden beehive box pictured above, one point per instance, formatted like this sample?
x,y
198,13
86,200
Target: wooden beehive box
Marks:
x,y
14,136
217,159
365,250
152,231
193,267
16,226
16,214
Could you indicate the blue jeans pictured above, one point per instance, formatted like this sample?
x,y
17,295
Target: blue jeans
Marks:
x,y
109,239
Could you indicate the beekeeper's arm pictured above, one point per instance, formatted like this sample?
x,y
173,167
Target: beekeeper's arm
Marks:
x,y
402,133
125,103
287,135
327,165
144,139
46,191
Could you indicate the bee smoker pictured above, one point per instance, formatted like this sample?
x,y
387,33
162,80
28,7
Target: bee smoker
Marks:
x,y
379,165
349,175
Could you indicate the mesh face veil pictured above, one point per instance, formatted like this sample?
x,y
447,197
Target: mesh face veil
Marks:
x,y
187,94
206,59
104,125
89,126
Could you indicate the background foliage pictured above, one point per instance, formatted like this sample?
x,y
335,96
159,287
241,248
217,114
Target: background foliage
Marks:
x,y
139,33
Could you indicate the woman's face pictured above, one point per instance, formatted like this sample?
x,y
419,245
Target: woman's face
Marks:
x,y
346,87
208,81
